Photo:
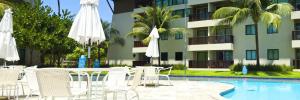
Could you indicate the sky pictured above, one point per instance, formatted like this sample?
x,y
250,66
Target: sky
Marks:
x,y
74,6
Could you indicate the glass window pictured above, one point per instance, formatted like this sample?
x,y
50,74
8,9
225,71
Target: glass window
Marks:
x,y
273,54
164,56
250,54
297,53
177,2
250,30
271,29
164,37
179,12
178,56
178,36
201,32
228,55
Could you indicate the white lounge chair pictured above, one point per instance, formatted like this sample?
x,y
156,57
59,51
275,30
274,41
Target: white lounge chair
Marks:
x,y
151,74
167,76
30,75
114,82
56,83
135,83
8,82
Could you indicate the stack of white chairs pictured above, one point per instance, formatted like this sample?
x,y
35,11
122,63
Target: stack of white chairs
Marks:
x,y
151,75
8,82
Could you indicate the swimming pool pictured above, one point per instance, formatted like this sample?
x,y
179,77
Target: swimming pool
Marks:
x,y
259,89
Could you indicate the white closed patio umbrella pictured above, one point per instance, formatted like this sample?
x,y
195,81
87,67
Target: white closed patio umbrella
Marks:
x,y
152,49
87,27
8,45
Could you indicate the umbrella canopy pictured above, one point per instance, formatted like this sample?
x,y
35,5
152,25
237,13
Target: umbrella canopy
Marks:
x,y
152,49
87,24
8,45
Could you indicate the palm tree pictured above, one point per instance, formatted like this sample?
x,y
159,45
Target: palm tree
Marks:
x,y
258,10
154,16
58,5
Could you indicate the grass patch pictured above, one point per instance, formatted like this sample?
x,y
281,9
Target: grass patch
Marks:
x,y
258,74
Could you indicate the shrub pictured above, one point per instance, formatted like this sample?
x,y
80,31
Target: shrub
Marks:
x,y
175,66
251,67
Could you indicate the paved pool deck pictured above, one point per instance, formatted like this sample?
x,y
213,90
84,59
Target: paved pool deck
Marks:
x,y
180,90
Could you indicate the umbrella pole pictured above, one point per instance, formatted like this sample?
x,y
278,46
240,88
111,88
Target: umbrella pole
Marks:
x,y
4,63
89,54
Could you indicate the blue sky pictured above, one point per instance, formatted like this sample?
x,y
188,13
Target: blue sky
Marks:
x,y
74,6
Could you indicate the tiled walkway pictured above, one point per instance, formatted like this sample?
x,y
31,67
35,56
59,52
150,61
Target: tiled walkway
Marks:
x,y
181,90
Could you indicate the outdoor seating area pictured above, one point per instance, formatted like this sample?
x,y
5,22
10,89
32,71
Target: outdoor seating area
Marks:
x,y
79,83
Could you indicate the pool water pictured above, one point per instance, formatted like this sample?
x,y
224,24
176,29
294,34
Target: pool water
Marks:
x,y
258,89
250,89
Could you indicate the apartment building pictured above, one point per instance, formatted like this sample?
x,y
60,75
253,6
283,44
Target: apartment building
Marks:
x,y
203,47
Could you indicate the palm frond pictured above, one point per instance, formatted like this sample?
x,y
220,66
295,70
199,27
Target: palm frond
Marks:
x,y
225,12
283,9
271,18
240,16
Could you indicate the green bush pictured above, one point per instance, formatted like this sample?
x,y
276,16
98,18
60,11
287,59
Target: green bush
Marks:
x,y
175,66
251,67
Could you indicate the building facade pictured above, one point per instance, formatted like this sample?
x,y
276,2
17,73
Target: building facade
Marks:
x,y
203,47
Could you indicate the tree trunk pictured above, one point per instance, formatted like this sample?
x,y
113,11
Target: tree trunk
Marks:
x,y
158,43
31,54
58,5
111,9
257,45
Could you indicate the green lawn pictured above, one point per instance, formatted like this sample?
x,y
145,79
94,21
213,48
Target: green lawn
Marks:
x,y
259,74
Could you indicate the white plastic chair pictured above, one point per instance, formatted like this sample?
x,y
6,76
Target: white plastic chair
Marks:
x,y
151,74
30,75
168,75
135,83
8,81
56,83
114,82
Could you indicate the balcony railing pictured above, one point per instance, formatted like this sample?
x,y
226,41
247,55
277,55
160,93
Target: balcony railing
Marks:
x,y
139,63
199,17
296,35
211,39
210,64
139,44
296,63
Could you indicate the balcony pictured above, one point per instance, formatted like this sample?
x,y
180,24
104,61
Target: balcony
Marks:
x,y
296,39
202,20
139,47
211,43
296,63
199,17
139,44
211,40
210,64
139,63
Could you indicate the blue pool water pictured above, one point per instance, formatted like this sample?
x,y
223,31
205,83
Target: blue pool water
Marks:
x,y
253,89
258,89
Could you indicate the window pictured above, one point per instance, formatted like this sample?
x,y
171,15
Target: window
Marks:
x,y
271,29
178,55
178,36
177,2
250,30
164,56
164,37
273,54
280,1
179,12
297,53
250,54
162,2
